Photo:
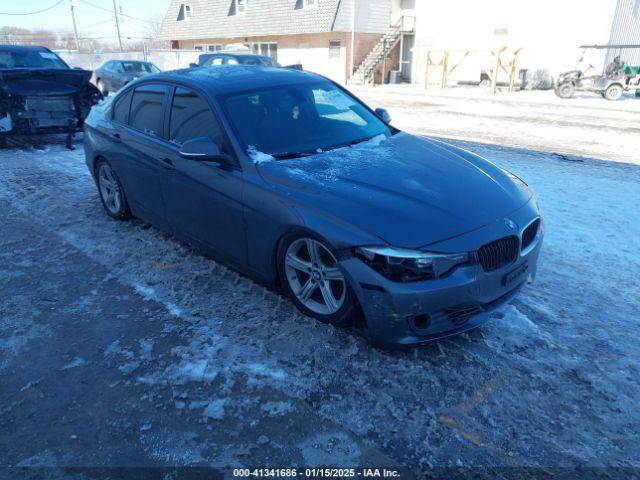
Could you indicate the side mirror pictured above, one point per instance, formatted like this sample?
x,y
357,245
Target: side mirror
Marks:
x,y
193,65
202,149
383,114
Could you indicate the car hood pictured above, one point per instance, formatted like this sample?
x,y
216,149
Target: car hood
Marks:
x,y
43,82
408,191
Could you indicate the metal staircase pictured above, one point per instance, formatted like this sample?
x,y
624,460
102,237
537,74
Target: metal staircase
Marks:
x,y
386,44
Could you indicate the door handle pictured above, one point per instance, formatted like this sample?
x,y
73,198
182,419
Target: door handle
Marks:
x,y
167,163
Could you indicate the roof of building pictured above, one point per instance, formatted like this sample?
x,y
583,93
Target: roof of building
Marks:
x,y
225,79
219,19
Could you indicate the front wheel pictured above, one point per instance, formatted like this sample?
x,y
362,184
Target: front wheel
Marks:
x,y
111,192
566,90
613,92
312,278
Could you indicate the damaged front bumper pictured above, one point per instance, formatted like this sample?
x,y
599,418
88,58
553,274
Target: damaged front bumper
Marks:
x,y
42,102
29,116
409,314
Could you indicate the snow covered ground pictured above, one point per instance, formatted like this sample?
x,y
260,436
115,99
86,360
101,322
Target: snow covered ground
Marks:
x,y
121,346
586,125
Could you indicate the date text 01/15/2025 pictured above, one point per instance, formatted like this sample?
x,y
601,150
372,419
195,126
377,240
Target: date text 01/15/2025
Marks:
x,y
317,472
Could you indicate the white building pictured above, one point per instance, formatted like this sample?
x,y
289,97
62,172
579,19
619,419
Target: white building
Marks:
x,y
548,32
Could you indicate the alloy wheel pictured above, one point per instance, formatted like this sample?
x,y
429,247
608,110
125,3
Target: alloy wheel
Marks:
x,y
109,189
314,277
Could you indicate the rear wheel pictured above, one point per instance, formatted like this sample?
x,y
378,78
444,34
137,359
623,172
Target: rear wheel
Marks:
x,y
312,278
613,92
111,192
566,90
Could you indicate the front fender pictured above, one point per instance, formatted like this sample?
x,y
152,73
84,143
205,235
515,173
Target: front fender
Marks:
x,y
271,214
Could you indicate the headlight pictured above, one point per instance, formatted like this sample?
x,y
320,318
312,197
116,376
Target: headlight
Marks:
x,y
402,265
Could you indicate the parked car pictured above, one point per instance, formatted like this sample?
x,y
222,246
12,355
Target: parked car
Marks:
x,y
235,58
289,178
115,74
40,93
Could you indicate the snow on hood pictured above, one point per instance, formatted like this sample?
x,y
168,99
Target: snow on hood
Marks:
x,y
407,190
257,156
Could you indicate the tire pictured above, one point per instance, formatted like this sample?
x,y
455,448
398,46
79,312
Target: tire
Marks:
x,y
110,191
103,88
310,278
614,91
566,90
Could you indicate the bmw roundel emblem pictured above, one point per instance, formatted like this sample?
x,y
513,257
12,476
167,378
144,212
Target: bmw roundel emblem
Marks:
x,y
510,224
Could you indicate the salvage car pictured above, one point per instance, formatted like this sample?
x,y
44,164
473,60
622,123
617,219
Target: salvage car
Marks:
x,y
40,93
115,74
289,178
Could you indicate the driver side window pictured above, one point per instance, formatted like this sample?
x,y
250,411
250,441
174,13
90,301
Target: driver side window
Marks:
x,y
191,117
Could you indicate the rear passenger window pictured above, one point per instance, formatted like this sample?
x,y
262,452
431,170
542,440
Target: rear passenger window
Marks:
x,y
121,108
146,109
191,117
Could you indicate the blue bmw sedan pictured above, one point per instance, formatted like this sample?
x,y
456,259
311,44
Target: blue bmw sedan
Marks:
x,y
290,179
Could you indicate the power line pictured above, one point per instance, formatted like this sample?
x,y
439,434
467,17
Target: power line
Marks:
x,y
121,14
35,12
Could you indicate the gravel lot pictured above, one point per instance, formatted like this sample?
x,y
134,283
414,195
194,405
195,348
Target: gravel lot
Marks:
x,y
120,346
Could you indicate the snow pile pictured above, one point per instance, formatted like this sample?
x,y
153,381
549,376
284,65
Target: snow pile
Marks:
x,y
257,156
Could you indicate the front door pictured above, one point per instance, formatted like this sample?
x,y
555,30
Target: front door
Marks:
x,y
203,199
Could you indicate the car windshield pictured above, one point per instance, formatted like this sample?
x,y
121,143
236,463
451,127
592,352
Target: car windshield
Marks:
x,y
139,67
301,119
30,59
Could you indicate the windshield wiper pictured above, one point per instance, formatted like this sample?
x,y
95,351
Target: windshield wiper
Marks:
x,y
289,155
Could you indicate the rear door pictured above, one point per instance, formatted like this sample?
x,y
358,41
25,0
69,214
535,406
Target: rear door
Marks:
x,y
203,199
139,162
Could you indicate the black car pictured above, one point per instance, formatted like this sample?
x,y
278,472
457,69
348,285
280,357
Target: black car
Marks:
x,y
115,74
291,179
40,93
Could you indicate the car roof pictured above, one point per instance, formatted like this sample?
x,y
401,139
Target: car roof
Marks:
x,y
225,79
23,48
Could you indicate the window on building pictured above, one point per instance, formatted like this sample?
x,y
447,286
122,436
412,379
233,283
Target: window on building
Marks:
x,y
334,49
238,7
191,117
121,108
146,109
301,4
185,12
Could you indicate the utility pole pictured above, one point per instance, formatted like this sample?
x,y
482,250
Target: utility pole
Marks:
x,y
75,27
115,13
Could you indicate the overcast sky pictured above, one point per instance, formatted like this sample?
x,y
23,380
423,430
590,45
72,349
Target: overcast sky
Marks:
x,y
92,21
